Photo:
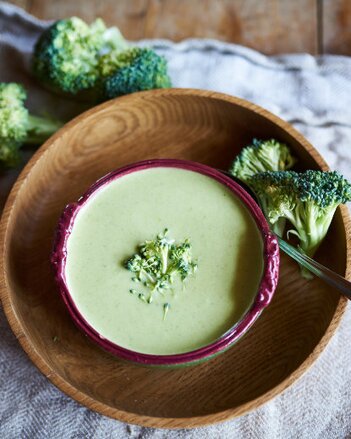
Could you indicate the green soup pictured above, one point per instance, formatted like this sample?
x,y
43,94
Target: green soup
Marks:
x,y
225,242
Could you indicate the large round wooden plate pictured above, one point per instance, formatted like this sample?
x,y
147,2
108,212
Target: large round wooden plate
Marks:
x,y
189,124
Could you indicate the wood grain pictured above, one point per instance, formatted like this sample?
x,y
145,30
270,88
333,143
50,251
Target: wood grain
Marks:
x,y
337,27
270,26
203,126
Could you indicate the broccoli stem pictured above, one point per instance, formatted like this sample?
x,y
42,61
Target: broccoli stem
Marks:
x,y
40,128
147,276
306,274
313,232
113,40
278,227
164,258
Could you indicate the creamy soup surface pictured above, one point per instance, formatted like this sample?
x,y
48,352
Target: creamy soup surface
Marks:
x,y
225,242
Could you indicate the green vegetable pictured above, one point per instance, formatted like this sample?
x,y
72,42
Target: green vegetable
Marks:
x,y
133,70
94,61
262,156
17,125
307,200
160,261
66,56
166,307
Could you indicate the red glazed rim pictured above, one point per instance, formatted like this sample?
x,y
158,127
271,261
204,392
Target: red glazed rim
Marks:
x,y
262,299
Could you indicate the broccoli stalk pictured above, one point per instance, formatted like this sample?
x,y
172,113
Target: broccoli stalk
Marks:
x,y
39,129
18,126
262,156
307,200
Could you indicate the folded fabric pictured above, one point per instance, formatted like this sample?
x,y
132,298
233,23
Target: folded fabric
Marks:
x,y
313,93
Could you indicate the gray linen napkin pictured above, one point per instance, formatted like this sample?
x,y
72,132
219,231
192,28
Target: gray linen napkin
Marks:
x,y
314,95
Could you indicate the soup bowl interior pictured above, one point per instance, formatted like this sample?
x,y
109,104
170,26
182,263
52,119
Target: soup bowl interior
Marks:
x,y
266,281
185,124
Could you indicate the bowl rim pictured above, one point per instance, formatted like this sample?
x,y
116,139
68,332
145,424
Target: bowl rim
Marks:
x,y
265,292
19,328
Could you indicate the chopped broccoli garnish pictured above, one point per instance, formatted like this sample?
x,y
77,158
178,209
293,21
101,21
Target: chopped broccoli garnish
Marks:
x,y
307,200
160,261
17,126
166,307
262,156
133,70
66,56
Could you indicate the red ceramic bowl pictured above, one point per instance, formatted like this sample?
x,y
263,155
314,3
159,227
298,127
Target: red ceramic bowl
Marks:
x,y
262,299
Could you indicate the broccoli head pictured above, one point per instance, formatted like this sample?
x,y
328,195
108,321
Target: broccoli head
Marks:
x,y
261,156
13,121
307,200
95,63
67,53
17,126
133,70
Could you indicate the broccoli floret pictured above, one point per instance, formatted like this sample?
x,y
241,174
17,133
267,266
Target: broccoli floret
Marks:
x,y
94,62
17,126
133,70
262,156
66,56
160,261
307,200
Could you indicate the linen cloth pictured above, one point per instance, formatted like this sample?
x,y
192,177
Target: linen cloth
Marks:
x,y
313,93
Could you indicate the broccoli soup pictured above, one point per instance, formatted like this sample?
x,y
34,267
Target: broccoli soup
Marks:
x,y
163,260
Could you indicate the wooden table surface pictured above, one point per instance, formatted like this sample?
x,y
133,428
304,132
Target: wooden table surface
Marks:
x,y
270,26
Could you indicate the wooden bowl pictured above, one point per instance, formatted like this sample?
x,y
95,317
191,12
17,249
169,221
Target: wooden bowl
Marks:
x,y
188,124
